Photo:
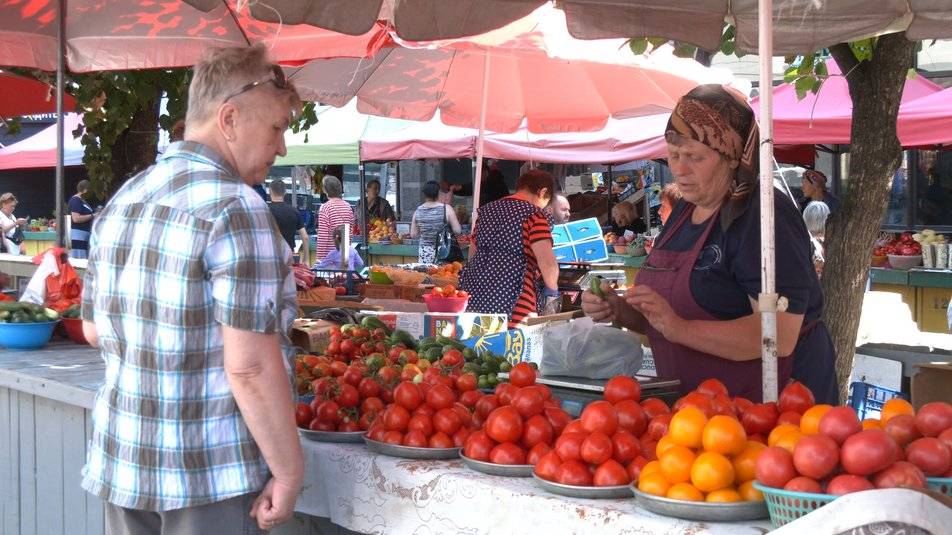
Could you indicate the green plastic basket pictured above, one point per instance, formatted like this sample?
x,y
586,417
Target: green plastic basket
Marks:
x,y
785,506
378,277
940,484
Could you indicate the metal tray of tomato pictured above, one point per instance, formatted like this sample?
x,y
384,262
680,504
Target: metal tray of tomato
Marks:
x,y
711,512
347,437
493,469
410,452
591,493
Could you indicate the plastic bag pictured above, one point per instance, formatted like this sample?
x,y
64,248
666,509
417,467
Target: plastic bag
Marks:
x,y
55,283
583,348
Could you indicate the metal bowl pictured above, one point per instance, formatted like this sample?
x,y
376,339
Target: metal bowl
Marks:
x,y
493,469
592,493
408,452
711,512
349,437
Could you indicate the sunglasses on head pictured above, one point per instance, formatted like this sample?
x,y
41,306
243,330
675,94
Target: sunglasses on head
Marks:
x,y
277,78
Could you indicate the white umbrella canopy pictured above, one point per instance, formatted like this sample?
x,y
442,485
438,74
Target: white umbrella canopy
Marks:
x,y
800,26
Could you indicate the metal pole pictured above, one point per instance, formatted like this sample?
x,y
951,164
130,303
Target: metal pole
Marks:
x,y
647,213
362,217
60,89
399,185
767,301
293,189
611,180
480,140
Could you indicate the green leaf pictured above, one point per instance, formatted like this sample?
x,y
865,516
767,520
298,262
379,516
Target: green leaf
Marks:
x,y
638,46
911,73
656,42
728,47
790,74
821,69
804,84
684,50
863,49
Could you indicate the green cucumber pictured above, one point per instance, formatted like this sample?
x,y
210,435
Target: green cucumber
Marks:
x,y
595,285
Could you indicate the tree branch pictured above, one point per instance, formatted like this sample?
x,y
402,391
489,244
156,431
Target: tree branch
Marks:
x,y
844,57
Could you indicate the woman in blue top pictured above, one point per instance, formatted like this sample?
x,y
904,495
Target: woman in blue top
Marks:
x,y
81,217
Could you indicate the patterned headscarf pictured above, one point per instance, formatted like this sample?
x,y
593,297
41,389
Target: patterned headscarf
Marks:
x,y
721,119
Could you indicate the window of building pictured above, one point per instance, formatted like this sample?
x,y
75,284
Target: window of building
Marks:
x,y
933,186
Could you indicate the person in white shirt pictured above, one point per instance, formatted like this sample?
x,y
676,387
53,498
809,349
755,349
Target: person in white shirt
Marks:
x,y
9,224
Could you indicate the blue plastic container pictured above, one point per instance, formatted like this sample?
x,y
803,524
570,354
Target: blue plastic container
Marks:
x,y
868,400
25,335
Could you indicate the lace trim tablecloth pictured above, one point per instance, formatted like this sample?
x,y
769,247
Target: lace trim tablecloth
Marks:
x,y
371,493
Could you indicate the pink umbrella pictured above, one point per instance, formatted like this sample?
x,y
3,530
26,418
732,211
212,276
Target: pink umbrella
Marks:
x,y
827,116
926,121
123,34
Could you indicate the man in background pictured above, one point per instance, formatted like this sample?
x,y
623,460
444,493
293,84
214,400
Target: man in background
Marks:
x,y
559,210
288,219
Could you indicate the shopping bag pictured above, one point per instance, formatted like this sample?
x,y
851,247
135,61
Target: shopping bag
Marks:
x,y
583,348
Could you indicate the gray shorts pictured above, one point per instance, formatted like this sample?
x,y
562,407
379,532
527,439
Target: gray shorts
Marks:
x,y
225,517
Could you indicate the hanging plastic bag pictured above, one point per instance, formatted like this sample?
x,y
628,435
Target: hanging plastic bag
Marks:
x,y
55,283
583,348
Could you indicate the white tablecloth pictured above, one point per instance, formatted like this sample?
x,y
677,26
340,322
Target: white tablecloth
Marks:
x,y
371,493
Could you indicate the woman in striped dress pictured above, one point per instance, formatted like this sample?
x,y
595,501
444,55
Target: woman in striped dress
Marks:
x,y
511,264
334,213
428,221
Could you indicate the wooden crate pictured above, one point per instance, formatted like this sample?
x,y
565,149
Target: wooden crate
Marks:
x,y
392,291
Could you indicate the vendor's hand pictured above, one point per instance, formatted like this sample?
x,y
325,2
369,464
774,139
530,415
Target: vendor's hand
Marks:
x,y
275,505
599,309
21,221
656,310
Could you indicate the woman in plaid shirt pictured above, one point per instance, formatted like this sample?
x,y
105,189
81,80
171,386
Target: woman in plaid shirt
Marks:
x,y
189,296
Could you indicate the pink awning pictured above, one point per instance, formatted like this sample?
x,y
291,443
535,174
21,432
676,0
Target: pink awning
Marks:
x,y
826,116
926,121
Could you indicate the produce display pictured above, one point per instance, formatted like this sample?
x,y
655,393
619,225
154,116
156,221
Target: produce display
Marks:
x,y
22,312
381,230
710,445
603,447
447,291
904,245
517,424
72,312
836,454
403,277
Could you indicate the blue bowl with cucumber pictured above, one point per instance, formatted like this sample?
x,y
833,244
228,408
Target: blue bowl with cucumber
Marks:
x,y
26,325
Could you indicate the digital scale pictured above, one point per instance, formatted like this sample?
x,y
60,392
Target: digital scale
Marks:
x,y
577,392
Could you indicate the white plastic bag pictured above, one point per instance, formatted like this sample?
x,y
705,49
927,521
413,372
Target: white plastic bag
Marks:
x,y
583,348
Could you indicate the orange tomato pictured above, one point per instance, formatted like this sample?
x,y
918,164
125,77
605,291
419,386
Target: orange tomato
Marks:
x,y
748,493
724,435
810,421
711,471
687,426
872,423
745,461
685,491
650,468
654,484
895,407
676,464
727,495
779,431
788,440
664,445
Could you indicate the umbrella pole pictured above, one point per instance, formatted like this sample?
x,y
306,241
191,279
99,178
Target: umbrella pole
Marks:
x,y
60,88
767,300
362,216
611,182
399,185
480,139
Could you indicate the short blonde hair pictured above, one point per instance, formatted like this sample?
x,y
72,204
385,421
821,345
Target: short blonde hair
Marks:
x,y
224,72
7,197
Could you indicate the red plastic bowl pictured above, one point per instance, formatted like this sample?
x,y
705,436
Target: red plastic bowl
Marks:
x,y
74,329
445,304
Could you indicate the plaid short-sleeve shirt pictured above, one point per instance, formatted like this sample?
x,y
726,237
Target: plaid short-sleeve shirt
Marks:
x,y
182,249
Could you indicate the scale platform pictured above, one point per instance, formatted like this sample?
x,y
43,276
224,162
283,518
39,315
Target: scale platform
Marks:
x,y
576,392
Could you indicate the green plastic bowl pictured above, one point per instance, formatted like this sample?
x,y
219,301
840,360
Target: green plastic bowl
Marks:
x,y
376,277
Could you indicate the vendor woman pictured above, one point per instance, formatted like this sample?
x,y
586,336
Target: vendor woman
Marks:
x,y
512,267
695,295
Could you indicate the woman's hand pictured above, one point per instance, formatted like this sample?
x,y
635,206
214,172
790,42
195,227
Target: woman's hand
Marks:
x,y
657,311
21,221
601,310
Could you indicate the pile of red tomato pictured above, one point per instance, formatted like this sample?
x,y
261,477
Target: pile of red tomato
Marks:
x,y
433,410
518,423
833,452
602,447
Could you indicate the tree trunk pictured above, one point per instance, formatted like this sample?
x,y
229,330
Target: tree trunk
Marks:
x,y
136,148
875,154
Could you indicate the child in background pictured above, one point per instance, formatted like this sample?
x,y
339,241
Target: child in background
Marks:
x,y
332,260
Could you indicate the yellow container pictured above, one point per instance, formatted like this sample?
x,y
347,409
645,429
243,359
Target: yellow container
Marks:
x,y
908,294
933,310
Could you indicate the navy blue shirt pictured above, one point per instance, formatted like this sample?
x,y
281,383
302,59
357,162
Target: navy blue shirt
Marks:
x,y
726,277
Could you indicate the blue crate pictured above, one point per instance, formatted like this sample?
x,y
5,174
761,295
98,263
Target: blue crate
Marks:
x,y
565,253
868,400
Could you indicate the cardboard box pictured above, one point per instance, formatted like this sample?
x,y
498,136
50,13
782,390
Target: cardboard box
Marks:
x,y
311,335
459,326
931,383
516,345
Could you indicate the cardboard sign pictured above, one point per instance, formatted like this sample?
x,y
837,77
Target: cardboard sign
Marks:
x,y
516,345
459,326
